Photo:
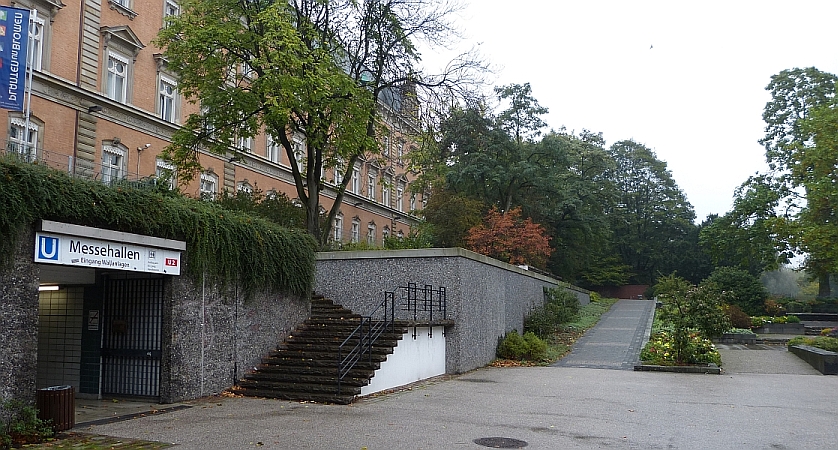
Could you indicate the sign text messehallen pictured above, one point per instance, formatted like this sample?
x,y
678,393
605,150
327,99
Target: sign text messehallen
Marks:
x,y
77,251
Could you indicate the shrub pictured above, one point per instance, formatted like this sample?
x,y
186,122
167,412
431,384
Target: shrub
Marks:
x,y
773,308
822,342
797,307
739,331
792,319
746,290
527,347
737,317
661,350
21,425
560,306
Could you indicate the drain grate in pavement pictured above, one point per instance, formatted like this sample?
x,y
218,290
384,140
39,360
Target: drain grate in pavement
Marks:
x,y
500,442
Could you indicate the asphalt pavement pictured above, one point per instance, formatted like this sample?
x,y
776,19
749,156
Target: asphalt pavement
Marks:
x,y
765,400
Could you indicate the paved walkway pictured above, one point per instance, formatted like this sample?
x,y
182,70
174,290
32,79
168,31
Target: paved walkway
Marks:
x,y
615,342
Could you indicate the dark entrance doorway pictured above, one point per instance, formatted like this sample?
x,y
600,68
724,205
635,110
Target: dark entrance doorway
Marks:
x,y
131,336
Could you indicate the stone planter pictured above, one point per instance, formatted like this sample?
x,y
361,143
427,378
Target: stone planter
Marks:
x,y
781,328
704,368
738,338
824,361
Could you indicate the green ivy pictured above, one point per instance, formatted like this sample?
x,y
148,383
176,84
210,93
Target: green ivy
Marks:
x,y
223,245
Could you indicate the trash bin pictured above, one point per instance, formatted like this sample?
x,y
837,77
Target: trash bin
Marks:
x,y
57,403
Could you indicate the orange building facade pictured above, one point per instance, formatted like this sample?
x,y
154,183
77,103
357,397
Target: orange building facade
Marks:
x,y
104,106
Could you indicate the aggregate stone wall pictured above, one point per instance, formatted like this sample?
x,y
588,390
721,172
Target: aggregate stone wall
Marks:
x,y
19,322
212,338
486,298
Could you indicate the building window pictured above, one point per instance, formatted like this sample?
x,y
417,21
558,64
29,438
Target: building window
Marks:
x,y
338,228
371,234
167,100
400,235
171,8
117,82
386,145
371,186
356,230
355,183
113,163
24,145
244,143
274,148
338,172
123,7
209,184
385,192
385,233
245,186
413,202
400,197
298,144
36,34
164,172
400,151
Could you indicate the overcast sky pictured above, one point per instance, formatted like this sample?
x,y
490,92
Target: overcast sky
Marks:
x,y
686,79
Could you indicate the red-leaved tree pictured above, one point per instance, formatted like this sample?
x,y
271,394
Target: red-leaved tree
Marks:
x,y
507,237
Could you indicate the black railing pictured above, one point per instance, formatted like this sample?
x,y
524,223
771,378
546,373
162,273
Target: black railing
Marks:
x,y
364,337
423,303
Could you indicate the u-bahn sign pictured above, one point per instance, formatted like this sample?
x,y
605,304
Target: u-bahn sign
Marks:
x,y
68,250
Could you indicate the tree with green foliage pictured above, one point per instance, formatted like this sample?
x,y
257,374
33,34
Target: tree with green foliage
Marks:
x,y
744,289
450,216
688,308
314,68
800,138
651,218
749,236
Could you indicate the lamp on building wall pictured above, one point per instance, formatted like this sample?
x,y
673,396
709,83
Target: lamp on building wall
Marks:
x,y
93,108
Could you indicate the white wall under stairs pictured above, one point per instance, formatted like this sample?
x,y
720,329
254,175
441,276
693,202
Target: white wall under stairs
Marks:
x,y
412,360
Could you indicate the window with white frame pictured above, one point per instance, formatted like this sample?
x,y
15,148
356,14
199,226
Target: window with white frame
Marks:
x,y
209,184
400,197
400,151
298,144
244,143
24,145
164,172
171,8
355,183
412,202
245,186
386,145
167,99
371,185
338,169
356,230
338,228
400,234
385,191
123,7
41,29
36,34
385,233
113,163
117,80
371,234
274,148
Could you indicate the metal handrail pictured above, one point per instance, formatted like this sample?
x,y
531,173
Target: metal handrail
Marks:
x,y
432,300
366,333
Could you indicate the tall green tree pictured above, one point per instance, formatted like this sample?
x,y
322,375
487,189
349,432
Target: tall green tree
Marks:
x,y
651,218
323,69
800,148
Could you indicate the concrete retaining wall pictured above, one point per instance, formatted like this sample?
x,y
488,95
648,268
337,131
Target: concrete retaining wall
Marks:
x,y
211,338
19,323
486,298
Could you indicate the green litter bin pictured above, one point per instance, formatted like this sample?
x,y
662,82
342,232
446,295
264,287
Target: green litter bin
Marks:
x,y
57,403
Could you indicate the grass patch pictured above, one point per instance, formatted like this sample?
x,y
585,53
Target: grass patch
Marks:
x,y
561,341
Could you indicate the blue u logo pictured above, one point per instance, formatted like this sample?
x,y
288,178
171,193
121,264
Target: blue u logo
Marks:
x,y
48,248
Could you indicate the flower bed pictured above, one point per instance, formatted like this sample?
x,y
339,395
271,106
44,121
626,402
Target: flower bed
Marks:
x,y
660,350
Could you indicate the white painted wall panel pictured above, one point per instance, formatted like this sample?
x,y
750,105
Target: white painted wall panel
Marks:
x,y
413,360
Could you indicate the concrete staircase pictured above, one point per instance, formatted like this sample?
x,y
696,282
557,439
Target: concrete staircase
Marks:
x,y
305,367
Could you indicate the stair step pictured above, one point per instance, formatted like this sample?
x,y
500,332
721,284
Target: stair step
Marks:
x,y
324,380
310,388
297,396
290,360
356,372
